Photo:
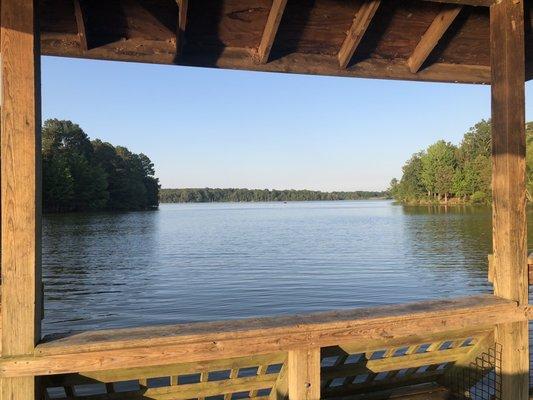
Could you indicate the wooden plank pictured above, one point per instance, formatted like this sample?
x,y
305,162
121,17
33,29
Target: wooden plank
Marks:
x,y
303,374
80,22
395,317
271,29
142,347
146,51
20,192
280,390
508,186
432,36
355,34
120,375
395,363
188,391
475,3
415,339
183,7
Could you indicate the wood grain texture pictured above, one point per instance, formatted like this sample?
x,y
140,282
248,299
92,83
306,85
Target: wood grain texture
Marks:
x,y
368,328
308,38
241,59
303,369
508,151
20,192
476,3
509,191
183,7
355,34
80,22
271,29
432,36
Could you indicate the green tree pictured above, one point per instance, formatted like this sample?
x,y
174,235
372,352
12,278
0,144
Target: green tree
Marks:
x,y
438,168
411,186
81,175
58,184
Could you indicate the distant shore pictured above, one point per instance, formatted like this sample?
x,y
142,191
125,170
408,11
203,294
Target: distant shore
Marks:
x,y
210,195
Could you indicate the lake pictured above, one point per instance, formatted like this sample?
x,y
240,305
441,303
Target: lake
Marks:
x,y
201,262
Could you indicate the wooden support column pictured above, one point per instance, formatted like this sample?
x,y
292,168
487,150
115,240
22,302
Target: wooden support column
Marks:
x,y
20,188
304,374
508,184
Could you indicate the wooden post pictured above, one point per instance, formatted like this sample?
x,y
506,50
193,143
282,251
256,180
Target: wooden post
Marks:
x,y
508,185
304,374
20,184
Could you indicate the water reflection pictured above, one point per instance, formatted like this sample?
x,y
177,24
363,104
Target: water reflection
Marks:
x,y
197,262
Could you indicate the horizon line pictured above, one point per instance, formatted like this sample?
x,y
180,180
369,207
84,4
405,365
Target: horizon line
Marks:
x,y
280,190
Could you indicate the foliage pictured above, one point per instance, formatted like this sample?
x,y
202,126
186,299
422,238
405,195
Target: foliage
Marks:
x,y
463,172
193,195
80,175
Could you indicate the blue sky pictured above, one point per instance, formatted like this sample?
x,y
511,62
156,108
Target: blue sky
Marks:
x,y
216,128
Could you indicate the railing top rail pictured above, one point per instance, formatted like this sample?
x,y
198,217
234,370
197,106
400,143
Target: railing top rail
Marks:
x,y
162,345
267,326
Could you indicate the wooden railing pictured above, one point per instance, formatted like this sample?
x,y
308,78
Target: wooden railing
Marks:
x,y
324,355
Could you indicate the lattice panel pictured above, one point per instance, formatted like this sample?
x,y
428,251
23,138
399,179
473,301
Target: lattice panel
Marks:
x,y
240,378
481,378
345,373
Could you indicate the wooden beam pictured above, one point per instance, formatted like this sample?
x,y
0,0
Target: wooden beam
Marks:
x,y
431,38
271,29
359,26
280,390
361,328
122,375
183,7
159,52
20,188
475,3
394,363
509,188
80,22
303,369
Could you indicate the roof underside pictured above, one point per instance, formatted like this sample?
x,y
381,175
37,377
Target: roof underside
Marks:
x,y
388,38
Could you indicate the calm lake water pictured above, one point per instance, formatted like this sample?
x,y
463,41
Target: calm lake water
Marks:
x,y
199,262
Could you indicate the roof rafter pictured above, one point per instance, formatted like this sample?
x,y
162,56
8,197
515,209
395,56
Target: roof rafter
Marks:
x,y
360,24
183,6
271,29
80,22
431,38
476,3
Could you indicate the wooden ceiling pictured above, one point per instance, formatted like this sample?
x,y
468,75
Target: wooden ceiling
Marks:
x,y
426,40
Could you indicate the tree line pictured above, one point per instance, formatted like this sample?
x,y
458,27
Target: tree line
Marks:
x,y
206,195
84,175
445,172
